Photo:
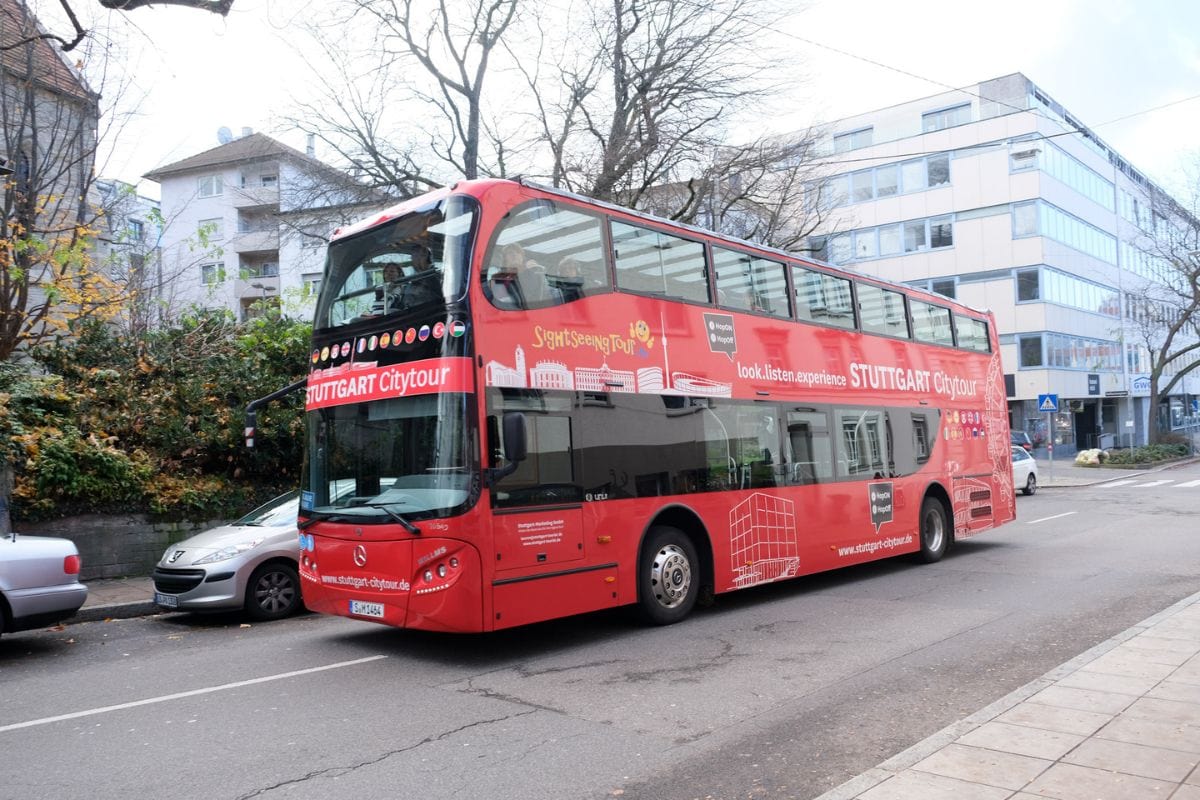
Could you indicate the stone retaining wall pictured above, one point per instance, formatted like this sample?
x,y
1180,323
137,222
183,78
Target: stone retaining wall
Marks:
x,y
116,546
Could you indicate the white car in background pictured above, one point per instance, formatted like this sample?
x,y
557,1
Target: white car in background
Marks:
x,y
1025,476
39,581
249,564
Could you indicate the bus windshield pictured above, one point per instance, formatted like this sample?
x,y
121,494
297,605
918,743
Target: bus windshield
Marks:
x,y
417,260
405,455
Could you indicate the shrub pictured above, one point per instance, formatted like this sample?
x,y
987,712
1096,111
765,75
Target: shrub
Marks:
x,y
1149,454
155,425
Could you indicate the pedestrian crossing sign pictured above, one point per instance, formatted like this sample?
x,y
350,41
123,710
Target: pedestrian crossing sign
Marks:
x,y
1047,402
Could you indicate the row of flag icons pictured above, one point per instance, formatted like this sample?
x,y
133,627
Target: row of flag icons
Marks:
x,y
972,422
456,328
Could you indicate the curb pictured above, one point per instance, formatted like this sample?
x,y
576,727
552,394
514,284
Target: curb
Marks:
x,y
100,613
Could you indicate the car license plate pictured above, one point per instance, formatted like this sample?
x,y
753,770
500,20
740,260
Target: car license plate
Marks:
x,y
167,600
364,609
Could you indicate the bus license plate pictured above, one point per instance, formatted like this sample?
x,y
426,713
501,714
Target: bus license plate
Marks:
x,y
363,609
166,600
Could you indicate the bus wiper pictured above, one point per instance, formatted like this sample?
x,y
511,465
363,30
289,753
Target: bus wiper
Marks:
x,y
387,509
318,516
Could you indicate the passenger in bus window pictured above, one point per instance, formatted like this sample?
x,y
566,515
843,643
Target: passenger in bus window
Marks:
x,y
573,280
521,282
425,285
387,294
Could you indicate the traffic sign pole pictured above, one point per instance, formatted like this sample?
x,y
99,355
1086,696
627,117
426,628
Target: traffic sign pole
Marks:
x,y
1049,404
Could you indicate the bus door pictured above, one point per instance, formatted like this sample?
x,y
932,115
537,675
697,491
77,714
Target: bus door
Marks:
x,y
537,529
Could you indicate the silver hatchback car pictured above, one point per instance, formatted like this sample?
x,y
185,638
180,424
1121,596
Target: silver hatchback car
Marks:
x,y
39,581
249,564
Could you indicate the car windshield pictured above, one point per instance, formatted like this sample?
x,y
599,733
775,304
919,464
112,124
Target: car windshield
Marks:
x,y
278,513
417,260
405,455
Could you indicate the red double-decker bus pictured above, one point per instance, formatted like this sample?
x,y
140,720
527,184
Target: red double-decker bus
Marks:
x,y
524,404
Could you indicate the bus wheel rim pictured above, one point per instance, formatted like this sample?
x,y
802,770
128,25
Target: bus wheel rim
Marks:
x,y
671,576
934,530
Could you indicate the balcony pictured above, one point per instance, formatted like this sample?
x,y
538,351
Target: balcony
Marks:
x,y
257,288
259,241
254,197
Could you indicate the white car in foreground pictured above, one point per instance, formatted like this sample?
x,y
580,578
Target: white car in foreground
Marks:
x,y
1025,475
39,581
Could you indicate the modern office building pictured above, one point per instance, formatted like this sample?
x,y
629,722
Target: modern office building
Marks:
x,y
246,224
998,196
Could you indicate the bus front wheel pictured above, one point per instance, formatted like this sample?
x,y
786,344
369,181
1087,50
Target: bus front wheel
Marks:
x,y
668,577
935,532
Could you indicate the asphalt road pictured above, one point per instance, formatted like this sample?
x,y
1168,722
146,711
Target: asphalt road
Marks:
x,y
778,692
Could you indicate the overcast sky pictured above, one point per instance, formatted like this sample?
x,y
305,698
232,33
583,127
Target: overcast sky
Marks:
x,y
1103,60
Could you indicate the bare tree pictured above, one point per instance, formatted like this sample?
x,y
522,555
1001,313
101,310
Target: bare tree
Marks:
x,y
649,99
78,33
1163,310
453,43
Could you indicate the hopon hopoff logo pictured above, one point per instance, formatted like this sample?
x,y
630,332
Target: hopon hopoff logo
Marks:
x,y
881,503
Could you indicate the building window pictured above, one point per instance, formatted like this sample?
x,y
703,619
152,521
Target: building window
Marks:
x,y
311,281
915,175
890,240
852,140
1031,350
137,230
211,274
1040,218
947,287
946,118
209,186
1028,285
211,229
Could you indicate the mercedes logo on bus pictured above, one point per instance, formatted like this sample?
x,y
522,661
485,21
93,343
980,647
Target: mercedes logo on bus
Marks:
x,y
360,555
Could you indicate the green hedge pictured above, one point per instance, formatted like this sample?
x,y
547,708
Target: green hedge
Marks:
x,y
1148,454
155,425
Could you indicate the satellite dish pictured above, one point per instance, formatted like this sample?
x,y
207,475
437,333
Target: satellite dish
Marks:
x,y
224,135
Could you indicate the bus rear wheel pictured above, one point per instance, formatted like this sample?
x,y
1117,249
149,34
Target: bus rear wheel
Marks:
x,y
668,576
935,532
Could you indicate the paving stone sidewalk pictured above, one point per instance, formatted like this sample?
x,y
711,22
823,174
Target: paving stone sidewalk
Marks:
x,y
1119,722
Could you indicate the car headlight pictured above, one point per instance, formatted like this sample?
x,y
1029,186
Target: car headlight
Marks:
x,y
226,553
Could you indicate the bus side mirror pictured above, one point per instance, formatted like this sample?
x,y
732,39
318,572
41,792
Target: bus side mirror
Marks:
x,y
516,446
516,440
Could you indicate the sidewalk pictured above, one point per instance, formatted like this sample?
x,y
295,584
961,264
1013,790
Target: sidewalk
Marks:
x,y
117,598
1067,474
1120,722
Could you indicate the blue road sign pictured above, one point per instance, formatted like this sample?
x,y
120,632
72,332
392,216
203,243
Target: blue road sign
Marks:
x,y
1047,402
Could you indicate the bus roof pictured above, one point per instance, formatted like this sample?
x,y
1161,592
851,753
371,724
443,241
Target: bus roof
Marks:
x,y
480,186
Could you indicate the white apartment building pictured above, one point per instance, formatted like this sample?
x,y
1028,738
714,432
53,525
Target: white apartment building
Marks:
x,y
999,197
246,224
126,247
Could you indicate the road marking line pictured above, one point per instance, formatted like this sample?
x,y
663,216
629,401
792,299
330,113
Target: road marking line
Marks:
x,y
1125,482
1148,484
1188,485
179,695
1028,522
